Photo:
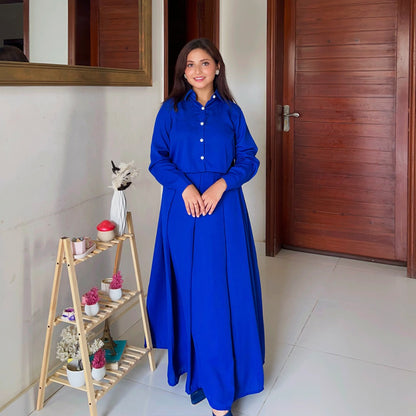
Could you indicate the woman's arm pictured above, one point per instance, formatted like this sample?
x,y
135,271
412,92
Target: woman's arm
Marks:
x,y
245,163
161,165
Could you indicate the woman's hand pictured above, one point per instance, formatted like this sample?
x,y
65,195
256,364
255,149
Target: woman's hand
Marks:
x,y
213,194
193,202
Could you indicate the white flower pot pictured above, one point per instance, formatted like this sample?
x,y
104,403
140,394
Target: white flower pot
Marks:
x,y
115,294
98,373
92,310
76,378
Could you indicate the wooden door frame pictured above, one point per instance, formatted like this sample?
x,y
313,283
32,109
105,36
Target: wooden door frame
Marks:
x,y
216,40
274,182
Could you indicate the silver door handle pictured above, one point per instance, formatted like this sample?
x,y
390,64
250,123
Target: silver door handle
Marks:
x,y
286,114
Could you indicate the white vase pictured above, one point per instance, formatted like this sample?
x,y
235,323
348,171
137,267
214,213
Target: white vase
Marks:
x,y
98,373
115,294
76,378
92,310
118,211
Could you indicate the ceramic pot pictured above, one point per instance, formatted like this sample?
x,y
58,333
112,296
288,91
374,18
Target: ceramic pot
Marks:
x,y
98,373
92,310
76,378
115,294
105,236
78,247
105,284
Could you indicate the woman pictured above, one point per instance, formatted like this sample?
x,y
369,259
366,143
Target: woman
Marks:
x,y
204,299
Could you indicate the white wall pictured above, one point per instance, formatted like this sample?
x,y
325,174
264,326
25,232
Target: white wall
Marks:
x,y
243,35
57,143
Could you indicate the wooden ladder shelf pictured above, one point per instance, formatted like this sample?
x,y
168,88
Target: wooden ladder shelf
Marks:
x,y
84,323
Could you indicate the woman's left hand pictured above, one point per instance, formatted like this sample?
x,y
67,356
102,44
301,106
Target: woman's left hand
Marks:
x,y
213,194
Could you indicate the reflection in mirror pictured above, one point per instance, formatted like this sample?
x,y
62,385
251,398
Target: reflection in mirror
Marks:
x,y
85,33
11,23
75,32
104,34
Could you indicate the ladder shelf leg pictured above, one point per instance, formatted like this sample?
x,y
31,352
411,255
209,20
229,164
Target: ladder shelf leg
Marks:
x,y
49,330
73,282
143,309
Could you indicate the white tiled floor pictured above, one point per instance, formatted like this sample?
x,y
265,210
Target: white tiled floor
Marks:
x,y
340,340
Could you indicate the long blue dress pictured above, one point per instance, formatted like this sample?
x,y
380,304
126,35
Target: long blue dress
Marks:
x,y
204,299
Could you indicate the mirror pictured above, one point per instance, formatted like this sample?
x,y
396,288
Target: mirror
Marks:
x,y
22,73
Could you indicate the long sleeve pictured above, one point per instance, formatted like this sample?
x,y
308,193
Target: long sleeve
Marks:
x,y
245,161
161,165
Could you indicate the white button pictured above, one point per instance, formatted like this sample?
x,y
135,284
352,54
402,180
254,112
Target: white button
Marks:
x,y
202,157
202,108
201,139
201,123
214,96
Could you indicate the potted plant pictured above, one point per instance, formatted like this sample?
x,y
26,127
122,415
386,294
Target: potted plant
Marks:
x,y
90,302
68,350
115,292
98,365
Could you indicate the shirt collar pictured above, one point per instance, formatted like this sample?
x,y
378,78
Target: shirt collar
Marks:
x,y
191,95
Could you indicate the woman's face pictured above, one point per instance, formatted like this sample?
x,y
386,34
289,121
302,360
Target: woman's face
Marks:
x,y
200,70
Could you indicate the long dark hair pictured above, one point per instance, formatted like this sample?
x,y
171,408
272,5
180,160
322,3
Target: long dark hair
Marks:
x,y
181,86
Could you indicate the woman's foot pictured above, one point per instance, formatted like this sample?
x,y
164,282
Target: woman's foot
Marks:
x,y
221,412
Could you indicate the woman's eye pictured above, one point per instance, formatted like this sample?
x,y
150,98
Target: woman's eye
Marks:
x,y
189,65
205,63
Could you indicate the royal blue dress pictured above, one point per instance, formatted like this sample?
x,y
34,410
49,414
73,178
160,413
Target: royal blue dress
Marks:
x,y
204,299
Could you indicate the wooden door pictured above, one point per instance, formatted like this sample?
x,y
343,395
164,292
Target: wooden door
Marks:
x,y
345,158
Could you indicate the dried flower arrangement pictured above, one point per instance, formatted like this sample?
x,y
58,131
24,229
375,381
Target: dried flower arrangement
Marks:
x,y
99,359
91,297
68,347
123,175
117,281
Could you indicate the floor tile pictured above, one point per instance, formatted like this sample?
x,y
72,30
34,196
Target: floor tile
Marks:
x,y
283,277
158,378
125,399
317,384
276,356
384,337
340,337
371,286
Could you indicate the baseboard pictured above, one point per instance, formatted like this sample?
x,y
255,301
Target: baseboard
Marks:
x,y
25,403
260,248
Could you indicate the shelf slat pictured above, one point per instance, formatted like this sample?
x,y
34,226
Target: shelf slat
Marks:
x,y
128,361
107,307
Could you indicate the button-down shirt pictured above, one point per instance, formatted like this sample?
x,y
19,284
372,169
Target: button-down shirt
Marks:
x,y
197,138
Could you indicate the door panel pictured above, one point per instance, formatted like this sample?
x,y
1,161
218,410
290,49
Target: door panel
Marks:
x,y
344,164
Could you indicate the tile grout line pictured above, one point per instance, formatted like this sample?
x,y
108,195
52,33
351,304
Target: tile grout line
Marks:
x,y
356,359
306,322
277,378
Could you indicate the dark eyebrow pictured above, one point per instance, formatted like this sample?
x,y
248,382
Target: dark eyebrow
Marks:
x,y
201,60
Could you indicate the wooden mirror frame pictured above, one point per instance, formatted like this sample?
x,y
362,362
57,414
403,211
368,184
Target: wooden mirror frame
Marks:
x,y
23,73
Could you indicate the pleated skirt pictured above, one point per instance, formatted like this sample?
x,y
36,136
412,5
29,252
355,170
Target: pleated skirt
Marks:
x,y
204,299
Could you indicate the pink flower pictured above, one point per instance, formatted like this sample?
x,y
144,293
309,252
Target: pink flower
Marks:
x,y
117,281
91,297
99,359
